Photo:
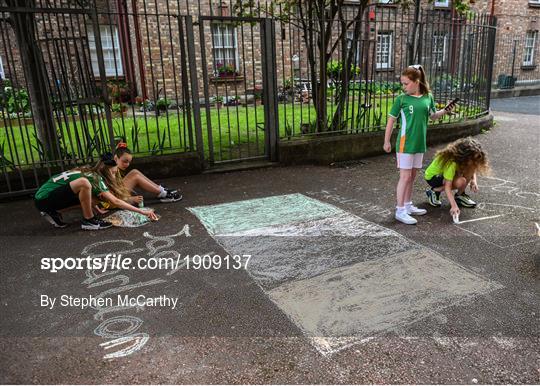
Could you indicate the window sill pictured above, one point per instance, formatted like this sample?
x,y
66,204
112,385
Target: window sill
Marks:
x,y
534,5
108,78
526,68
383,69
386,5
227,79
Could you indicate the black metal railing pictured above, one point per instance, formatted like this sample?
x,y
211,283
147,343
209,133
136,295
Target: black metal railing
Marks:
x,y
175,77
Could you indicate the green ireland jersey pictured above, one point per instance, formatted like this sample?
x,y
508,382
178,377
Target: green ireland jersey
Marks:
x,y
436,168
414,112
62,179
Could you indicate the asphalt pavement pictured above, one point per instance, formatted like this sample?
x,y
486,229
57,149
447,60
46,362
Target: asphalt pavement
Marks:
x,y
334,291
519,105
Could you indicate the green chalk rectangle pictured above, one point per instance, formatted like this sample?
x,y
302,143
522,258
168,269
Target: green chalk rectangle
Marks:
x,y
229,218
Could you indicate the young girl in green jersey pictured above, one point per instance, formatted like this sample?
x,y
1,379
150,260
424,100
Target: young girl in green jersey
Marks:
x,y
77,187
413,107
456,167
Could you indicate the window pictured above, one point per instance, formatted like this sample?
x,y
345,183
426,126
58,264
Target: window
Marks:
x,y
530,45
350,35
386,1
384,50
225,46
441,3
534,2
439,44
2,73
111,50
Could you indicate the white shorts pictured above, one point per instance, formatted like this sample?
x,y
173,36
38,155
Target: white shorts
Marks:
x,y
409,161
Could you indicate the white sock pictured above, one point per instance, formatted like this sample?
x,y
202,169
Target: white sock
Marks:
x,y
408,204
400,209
162,192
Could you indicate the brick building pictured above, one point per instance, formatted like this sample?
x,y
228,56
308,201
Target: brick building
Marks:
x,y
141,50
516,49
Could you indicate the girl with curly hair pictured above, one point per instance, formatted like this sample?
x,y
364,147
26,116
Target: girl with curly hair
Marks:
x,y
454,168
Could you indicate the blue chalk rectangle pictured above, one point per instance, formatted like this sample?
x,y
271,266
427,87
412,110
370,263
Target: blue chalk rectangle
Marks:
x,y
226,219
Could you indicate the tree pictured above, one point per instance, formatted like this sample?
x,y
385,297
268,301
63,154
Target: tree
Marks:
x,y
319,20
24,27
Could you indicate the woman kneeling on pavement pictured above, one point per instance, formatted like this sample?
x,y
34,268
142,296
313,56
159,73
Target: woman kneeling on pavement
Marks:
x,y
77,187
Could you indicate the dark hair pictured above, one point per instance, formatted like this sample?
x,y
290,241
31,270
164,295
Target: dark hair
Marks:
x,y
108,159
121,149
416,73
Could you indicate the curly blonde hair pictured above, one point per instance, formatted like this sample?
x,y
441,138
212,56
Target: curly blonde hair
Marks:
x,y
468,154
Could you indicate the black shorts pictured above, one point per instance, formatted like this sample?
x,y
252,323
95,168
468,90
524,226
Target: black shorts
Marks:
x,y
60,198
436,181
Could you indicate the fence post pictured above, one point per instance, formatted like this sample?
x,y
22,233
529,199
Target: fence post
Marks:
x,y
513,63
491,56
194,86
270,87
102,75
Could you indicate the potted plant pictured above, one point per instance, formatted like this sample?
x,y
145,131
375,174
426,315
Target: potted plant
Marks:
x,y
118,109
162,104
257,94
226,70
219,101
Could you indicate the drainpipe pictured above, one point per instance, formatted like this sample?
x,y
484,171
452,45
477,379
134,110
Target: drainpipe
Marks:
x,y
138,45
125,46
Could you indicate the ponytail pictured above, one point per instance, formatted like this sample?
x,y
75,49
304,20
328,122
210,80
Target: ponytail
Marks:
x,y
415,73
121,149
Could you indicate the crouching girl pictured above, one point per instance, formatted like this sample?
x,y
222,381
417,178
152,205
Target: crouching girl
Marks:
x,y
454,168
77,187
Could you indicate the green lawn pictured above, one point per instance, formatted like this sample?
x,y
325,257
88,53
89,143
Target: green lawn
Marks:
x,y
237,131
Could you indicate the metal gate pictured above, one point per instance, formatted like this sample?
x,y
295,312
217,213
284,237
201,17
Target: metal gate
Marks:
x,y
53,110
74,80
237,59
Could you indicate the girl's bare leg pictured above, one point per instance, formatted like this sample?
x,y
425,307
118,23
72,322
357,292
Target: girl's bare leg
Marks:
x,y
82,188
405,176
460,183
408,192
136,179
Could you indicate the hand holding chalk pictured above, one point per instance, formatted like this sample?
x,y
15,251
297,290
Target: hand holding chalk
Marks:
x,y
454,212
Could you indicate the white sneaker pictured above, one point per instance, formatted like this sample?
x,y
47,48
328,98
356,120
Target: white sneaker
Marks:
x,y
405,218
415,211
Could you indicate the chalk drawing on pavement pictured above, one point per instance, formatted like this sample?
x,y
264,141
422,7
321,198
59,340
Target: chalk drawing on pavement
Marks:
x,y
125,338
337,277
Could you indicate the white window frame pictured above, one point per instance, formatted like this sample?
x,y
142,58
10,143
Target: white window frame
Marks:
x,y
380,64
529,47
536,2
2,73
439,53
441,3
110,45
220,50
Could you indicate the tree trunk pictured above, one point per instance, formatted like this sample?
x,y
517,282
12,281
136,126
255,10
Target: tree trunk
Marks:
x,y
24,27
413,49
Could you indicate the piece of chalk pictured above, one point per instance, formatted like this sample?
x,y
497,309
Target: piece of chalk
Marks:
x,y
455,217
